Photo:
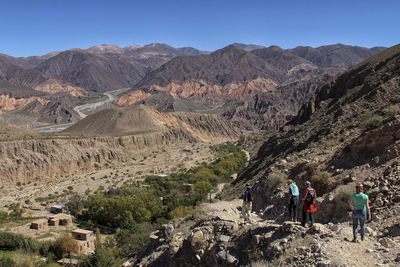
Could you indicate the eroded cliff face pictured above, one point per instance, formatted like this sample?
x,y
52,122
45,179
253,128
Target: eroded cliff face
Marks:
x,y
42,160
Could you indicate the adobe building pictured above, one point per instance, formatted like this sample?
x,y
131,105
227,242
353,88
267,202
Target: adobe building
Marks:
x,y
60,220
40,225
85,239
57,209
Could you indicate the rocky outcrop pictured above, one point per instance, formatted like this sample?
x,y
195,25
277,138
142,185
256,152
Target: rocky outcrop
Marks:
x,y
11,103
132,98
53,86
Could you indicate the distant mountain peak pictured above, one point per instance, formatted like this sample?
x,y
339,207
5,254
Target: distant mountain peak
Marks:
x,y
104,48
248,47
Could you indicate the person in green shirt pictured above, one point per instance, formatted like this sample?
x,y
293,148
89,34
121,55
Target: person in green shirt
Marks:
x,y
361,211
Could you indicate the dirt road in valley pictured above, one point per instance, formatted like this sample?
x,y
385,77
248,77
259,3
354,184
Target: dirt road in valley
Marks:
x,y
83,111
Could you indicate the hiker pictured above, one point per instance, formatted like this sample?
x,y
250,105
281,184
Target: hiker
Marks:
x,y
309,206
247,199
294,200
360,207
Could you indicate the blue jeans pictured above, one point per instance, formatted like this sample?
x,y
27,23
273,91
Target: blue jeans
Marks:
x,y
359,216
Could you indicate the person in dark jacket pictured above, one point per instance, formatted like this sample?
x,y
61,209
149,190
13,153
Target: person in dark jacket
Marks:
x,y
294,200
247,201
309,204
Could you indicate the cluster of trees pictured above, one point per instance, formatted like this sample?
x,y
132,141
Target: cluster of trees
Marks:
x,y
162,198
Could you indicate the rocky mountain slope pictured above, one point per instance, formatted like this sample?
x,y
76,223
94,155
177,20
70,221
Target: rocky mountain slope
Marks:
x,y
337,130
93,72
235,76
104,137
347,132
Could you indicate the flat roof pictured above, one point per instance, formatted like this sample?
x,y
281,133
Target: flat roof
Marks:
x,y
40,220
82,231
60,216
58,206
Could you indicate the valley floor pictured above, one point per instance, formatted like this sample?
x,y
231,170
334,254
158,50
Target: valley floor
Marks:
x,y
172,159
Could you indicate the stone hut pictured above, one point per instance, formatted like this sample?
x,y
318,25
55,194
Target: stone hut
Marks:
x,y
57,209
85,239
40,225
61,220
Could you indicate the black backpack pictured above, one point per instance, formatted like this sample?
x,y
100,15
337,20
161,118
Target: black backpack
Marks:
x,y
310,196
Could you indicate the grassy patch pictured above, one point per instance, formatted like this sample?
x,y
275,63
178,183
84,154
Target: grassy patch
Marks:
x,y
46,235
370,120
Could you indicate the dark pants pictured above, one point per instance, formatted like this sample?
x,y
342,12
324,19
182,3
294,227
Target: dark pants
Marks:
x,y
294,202
305,218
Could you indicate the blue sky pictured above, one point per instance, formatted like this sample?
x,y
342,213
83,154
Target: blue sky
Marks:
x,y
37,27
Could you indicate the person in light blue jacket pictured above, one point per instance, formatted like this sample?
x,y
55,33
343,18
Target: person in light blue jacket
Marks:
x,y
294,200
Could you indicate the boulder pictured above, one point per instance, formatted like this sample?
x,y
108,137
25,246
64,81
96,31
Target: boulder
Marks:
x,y
224,238
387,243
318,228
227,257
395,230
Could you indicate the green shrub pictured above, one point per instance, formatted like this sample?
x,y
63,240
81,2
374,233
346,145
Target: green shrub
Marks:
x,y
181,212
370,120
311,168
6,261
275,179
321,182
342,199
392,110
12,241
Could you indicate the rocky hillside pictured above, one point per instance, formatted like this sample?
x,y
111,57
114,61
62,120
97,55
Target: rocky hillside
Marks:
x,y
347,129
347,132
120,133
143,119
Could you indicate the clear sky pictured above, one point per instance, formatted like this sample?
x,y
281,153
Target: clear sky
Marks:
x,y
35,27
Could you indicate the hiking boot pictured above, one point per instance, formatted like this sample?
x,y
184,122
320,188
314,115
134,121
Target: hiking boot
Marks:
x,y
355,240
362,238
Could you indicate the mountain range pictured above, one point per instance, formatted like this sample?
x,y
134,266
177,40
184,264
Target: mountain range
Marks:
x,y
244,83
